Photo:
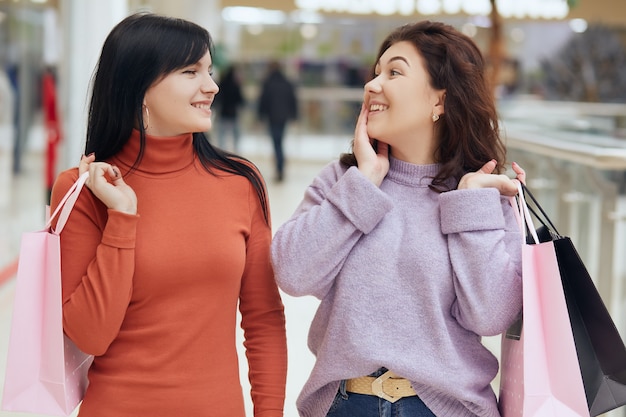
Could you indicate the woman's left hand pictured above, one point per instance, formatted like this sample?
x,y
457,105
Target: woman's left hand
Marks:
x,y
483,178
374,164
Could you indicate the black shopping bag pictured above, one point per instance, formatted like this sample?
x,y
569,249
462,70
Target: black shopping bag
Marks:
x,y
599,346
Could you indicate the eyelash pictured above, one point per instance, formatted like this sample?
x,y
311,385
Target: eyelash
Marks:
x,y
392,73
190,71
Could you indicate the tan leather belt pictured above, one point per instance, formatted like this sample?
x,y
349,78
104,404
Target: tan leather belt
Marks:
x,y
387,386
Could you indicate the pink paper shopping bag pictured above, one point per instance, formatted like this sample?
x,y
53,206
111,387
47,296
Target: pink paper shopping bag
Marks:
x,y
540,374
46,373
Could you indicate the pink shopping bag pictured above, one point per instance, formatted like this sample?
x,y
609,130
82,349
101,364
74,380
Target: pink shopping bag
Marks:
x,y
540,373
46,373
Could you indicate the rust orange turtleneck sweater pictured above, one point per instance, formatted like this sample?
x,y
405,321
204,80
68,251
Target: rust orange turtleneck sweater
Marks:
x,y
154,296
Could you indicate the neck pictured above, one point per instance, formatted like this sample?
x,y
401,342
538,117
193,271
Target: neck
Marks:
x,y
417,157
418,149
160,154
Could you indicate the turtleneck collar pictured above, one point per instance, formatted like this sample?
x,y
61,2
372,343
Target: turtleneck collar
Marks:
x,y
161,155
410,174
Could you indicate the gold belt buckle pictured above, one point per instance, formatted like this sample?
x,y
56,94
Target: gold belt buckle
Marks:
x,y
377,387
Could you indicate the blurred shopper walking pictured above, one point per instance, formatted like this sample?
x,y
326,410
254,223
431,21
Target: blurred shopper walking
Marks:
x,y
277,105
229,102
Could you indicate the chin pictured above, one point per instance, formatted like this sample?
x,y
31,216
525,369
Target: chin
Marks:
x,y
205,127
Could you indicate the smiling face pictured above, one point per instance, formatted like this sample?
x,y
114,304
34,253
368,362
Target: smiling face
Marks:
x,y
180,102
401,104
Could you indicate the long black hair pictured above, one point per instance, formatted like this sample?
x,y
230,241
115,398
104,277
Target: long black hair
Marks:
x,y
140,50
467,133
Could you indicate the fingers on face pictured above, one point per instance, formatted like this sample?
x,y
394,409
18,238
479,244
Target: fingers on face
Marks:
x,y
362,115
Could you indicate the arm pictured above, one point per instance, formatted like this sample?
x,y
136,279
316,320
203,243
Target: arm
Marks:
x,y
97,261
338,208
263,320
484,242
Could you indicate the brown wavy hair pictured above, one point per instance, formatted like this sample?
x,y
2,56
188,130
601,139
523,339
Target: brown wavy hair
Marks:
x,y
468,132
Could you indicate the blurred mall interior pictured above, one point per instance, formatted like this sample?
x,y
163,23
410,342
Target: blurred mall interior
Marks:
x,y
561,94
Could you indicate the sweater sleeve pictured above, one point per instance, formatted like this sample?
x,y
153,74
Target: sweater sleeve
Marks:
x,y
484,241
310,248
262,319
97,265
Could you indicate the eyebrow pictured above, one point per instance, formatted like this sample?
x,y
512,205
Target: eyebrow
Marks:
x,y
396,58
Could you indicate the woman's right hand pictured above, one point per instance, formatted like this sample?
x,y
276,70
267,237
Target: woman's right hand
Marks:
x,y
105,182
374,164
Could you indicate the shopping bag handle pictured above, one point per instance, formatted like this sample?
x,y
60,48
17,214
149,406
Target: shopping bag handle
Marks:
x,y
543,219
66,204
524,218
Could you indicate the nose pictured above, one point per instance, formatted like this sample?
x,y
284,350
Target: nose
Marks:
x,y
209,85
373,85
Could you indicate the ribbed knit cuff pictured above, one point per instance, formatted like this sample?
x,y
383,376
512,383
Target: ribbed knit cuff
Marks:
x,y
120,230
471,210
363,203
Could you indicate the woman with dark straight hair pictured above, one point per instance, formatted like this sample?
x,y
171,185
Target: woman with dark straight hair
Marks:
x,y
410,241
171,238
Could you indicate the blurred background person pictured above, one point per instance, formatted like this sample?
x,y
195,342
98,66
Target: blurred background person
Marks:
x,y
229,102
277,105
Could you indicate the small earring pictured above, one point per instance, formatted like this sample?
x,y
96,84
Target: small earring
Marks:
x,y
435,117
147,119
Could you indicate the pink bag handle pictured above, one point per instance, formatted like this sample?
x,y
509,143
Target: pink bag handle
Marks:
x,y
524,218
66,204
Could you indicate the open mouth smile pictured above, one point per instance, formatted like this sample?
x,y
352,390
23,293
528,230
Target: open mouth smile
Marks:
x,y
378,107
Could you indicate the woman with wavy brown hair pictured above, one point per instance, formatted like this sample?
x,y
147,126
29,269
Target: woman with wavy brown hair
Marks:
x,y
410,242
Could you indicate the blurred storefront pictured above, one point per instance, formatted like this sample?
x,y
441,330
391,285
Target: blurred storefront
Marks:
x,y
326,46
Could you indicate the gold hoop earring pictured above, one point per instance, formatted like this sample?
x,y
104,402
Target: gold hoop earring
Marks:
x,y
147,119
435,117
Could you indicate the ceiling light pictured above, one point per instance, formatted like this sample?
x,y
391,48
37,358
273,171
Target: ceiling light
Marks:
x,y
547,9
253,15
578,25
306,16
308,31
518,35
469,29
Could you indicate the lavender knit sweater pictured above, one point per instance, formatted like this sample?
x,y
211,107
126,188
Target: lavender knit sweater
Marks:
x,y
408,279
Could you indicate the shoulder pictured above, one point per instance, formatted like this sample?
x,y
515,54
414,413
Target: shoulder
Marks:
x,y
244,172
246,163
62,184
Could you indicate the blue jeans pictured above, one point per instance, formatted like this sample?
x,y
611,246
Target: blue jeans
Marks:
x,y
348,404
